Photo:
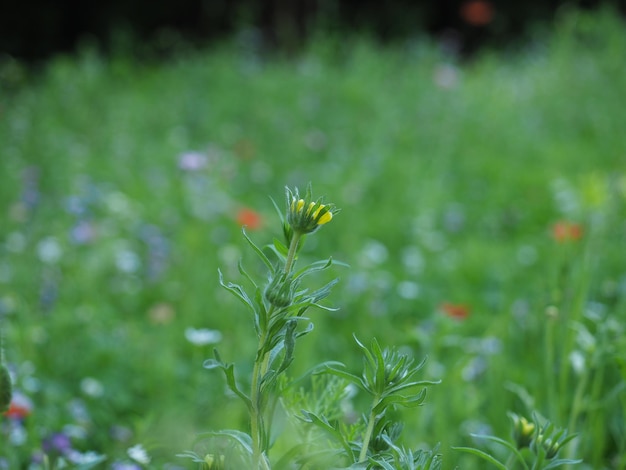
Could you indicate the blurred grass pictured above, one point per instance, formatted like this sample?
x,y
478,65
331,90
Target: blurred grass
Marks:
x,y
449,175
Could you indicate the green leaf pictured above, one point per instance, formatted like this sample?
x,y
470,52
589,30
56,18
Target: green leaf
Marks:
x,y
380,365
280,248
237,291
244,273
258,251
503,443
366,353
330,369
420,383
406,401
559,462
229,372
322,423
242,438
484,455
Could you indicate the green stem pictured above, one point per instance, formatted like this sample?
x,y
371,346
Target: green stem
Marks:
x,y
257,423
293,248
368,433
550,365
258,429
256,420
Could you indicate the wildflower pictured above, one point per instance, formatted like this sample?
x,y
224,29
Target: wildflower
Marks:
x,y
249,218
57,444
477,12
92,387
82,233
456,311
192,161
564,231
20,407
139,454
202,336
49,250
306,216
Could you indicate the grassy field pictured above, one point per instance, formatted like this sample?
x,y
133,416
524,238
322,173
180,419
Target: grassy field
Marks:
x,y
483,216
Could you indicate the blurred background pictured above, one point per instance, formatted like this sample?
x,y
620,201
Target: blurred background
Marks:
x,y
475,148
39,29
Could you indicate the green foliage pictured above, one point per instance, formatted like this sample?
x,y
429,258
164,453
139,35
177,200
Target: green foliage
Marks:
x,y
451,177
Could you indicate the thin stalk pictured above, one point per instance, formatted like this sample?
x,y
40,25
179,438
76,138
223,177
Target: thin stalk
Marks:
x,y
257,424
550,365
256,420
367,437
291,255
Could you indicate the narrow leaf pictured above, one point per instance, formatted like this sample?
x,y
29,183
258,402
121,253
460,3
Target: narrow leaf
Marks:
x,y
484,455
258,251
242,438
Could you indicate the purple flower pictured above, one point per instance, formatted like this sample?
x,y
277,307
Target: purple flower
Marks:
x,y
57,444
192,161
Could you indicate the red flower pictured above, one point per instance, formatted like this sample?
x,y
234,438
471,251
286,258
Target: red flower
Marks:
x,y
477,12
249,218
564,231
456,311
18,410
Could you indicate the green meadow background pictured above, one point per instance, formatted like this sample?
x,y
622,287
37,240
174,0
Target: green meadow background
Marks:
x,y
493,188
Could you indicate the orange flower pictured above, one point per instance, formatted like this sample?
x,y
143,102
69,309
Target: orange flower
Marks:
x,y
456,311
477,12
18,410
564,231
249,218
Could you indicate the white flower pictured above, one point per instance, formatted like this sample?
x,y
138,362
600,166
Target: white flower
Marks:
x,y
127,261
91,387
202,336
139,454
49,250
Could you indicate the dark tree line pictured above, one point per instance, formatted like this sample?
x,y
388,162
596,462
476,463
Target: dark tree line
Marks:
x,y
36,29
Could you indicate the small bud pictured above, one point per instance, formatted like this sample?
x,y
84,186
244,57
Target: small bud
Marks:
x,y
551,447
214,462
280,291
522,431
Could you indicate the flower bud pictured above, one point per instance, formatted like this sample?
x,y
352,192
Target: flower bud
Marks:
x,y
280,291
214,462
304,215
522,431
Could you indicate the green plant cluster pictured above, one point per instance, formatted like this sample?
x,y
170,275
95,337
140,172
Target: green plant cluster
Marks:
x,y
482,216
